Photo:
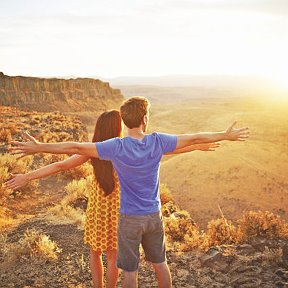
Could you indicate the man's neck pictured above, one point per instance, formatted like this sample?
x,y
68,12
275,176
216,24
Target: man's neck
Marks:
x,y
136,133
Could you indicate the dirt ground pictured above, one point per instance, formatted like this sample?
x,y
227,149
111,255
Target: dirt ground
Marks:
x,y
251,266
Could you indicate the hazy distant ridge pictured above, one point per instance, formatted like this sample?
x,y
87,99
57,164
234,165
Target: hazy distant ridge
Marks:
x,y
190,81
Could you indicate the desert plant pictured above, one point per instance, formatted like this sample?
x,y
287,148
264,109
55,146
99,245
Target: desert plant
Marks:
x,y
9,164
5,219
219,231
15,166
169,208
261,224
82,171
180,228
5,135
75,190
165,194
39,244
33,243
271,255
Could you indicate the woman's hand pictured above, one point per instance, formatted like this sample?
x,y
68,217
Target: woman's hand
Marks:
x,y
25,148
206,146
17,181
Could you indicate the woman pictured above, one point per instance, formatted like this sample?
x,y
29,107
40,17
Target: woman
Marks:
x,y
103,204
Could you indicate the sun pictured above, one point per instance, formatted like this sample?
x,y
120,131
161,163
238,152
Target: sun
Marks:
x,y
280,81
278,87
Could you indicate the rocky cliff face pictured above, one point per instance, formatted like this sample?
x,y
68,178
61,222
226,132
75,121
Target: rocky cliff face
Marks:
x,y
41,94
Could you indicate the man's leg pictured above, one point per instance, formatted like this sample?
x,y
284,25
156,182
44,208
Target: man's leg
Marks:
x,y
163,275
129,239
153,243
130,279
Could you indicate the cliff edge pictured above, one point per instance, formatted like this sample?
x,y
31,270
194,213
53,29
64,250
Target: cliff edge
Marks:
x,y
50,94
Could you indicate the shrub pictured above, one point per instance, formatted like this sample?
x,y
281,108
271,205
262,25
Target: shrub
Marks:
x,y
219,231
165,194
261,224
169,208
5,219
182,229
76,190
33,243
15,166
39,244
9,164
5,135
4,176
82,171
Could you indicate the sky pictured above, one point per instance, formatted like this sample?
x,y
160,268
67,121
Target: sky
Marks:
x,y
114,38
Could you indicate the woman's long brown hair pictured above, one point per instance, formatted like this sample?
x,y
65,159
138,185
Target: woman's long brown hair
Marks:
x,y
108,126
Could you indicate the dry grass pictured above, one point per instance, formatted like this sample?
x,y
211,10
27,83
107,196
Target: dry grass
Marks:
x,y
52,127
165,194
261,224
9,164
75,190
32,244
185,235
47,127
38,244
219,231
238,176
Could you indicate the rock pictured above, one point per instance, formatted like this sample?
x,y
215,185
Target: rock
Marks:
x,y
183,215
245,249
281,284
182,273
285,253
283,274
169,208
215,260
211,255
259,245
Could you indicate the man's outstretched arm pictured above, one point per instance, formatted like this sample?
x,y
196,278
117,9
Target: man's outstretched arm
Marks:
x,y
33,147
231,134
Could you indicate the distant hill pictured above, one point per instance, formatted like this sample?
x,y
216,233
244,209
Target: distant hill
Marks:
x,y
50,94
191,81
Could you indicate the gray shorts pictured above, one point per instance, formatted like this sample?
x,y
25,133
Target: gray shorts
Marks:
x,y
133,230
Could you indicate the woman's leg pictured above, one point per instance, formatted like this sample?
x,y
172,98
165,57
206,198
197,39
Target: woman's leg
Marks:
x,y
96,267
112,270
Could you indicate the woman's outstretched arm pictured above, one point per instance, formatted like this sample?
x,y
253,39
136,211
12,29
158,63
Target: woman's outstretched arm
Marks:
x,y
200,147
20,180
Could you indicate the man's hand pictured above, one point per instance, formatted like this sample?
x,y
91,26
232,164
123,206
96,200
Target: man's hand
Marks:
x,y
24,148
17,181
233,134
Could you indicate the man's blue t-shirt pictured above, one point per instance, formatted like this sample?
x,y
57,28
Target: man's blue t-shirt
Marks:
x,y
137,164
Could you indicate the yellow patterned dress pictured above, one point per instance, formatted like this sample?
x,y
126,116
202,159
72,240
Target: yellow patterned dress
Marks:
x,y
102,219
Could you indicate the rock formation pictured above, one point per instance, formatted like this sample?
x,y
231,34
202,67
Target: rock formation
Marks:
x,y
50,94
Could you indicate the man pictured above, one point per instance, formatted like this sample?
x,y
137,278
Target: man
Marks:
x,y
136,158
